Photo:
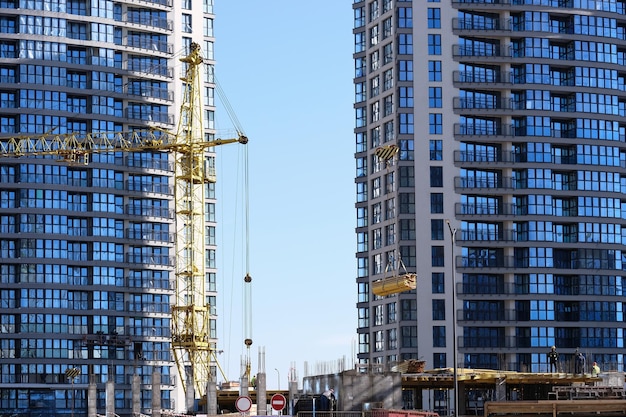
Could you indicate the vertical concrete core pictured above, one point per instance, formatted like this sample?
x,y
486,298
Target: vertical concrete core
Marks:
x,y
136,389
261,394
92,394
110,398
156,394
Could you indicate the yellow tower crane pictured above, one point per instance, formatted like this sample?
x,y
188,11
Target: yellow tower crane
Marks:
x,y
193,350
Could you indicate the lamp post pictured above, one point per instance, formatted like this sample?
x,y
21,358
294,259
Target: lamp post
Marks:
x,y
278,373
454,347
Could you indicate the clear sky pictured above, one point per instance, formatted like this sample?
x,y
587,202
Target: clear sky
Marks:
x,y
285,67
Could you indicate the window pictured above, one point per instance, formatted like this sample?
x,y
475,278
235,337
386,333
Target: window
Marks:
x,y
434,44
359,42
360,116
435,97
392,339
378,315
407,148
439,359
437,256
407,229
405,70
388,79
434,71
409,255
436,176
388,54
408,309
439,309
406,124
407,176
436,203
374,86
389,131
409,336
187,28
405,17
406,97
388,105
374,35
434,18
435,123
207,27
374,10
439,336
438,286
407,203
391,312
390,209
405,44
375,111
436,229
359,17
436,149
379,342
387,27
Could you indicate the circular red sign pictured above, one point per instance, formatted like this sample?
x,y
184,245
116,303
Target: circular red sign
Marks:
x,y
278,402
243,404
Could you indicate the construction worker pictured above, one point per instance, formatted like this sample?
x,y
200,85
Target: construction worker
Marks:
x,y
553,359
595,369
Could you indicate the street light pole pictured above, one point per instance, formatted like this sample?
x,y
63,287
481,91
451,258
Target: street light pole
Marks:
x,y
278,372
454,344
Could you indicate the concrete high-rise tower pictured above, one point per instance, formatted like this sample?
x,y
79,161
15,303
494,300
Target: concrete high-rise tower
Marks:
x,y
87,251
508,118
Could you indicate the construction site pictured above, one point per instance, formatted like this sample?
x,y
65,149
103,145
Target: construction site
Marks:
x,y
362,390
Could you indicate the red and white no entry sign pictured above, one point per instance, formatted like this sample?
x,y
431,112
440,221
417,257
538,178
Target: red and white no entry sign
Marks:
x,y
278,402
243,404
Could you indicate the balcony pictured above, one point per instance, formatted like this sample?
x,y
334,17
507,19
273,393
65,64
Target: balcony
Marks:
x,y
480,183
462,25
492,78
484,156
487,209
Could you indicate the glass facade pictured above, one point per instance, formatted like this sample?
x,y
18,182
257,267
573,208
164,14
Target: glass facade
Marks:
x,y
540,167
514,133
87,251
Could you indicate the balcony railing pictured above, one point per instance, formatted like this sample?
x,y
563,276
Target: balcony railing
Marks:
x,y
504,183
483,209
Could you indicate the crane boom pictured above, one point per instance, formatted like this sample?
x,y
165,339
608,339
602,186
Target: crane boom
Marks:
x,y
76,147
191,344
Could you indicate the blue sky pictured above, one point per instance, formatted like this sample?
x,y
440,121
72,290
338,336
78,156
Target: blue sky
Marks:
x,y
286,70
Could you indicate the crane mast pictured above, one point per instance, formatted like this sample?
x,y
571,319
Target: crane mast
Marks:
x,y
191,312
191,344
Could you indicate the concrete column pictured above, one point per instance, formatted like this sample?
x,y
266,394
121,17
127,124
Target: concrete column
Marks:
x,y
156,394
92,397
244,384
190,393
261,394
291,399
110,398
501,389
211,398
136,389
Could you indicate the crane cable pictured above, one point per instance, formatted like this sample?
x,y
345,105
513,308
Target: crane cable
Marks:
x,y
247,296
229,109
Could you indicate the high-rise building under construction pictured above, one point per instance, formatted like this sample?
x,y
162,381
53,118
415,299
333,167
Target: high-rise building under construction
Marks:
x,y
490,156
87,251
